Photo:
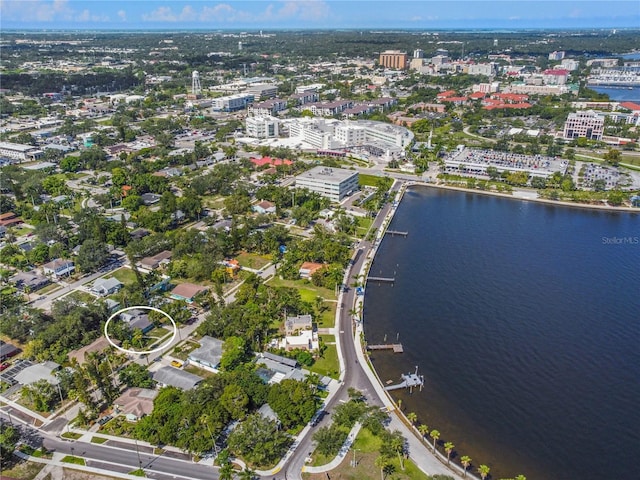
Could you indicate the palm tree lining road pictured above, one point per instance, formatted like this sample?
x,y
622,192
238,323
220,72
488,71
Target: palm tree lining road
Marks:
x,y
354,375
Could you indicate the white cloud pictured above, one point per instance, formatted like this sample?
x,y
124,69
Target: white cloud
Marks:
x,y
38,10
308,10
122,15
87,16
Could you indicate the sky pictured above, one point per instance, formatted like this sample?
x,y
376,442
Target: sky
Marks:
x,y
317,14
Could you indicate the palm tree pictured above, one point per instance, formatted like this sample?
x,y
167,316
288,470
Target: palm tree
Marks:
x,y
520,477
247,474
382,462
397,445
448,447
412,417
483,470
423,429
400,404
435,434
465,460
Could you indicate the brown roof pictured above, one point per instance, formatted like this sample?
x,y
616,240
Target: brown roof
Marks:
x,y
187,290
311,266
6,215
97,345
136,401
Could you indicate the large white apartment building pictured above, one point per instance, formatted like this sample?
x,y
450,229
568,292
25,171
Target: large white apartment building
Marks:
x,y
587,124
332,183
315,132
232,103
20,152
262,126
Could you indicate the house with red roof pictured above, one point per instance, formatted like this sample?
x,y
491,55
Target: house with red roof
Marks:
x,y
446,94
634,107
274,162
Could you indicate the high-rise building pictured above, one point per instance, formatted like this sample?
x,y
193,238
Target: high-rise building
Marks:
x,y
587,124
418,53
393,59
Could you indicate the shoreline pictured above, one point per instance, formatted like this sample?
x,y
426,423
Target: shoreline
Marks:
x,y
559,203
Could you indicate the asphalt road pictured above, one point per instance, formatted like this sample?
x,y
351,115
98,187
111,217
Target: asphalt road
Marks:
x,y
354,375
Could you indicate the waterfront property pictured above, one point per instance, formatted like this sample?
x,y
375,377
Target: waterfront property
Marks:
x,y
332,183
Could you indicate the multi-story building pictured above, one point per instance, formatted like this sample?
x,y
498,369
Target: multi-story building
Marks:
x,y
350,134
231,103
20,152
570,64
268,107
555,56
262,126
486,69
394,59
302,98
315,132
315,87
263,90
332,183
587,124
557,76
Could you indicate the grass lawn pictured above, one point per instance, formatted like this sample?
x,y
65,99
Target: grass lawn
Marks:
x,y
18,232
367,450
364,223
327,364
201,372
125,275
308,291
82,296
252,260
328,317
22,469
99,440
183,351
138,473
49,288
368,180
71,435
76,460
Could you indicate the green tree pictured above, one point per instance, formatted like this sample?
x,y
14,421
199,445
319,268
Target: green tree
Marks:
x,y
382,462
616,197
93,254
423,429
258,440
435,435
9,437
234,353
136,375
412,417
448,448
294,402
235,401
465,460
329,440
613,156
483,470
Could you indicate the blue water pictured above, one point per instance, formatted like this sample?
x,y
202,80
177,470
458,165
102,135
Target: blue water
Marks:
x,y
525,320
620,94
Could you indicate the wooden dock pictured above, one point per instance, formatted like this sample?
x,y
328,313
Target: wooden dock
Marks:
x,y
382,279
396,347
409,380
396,232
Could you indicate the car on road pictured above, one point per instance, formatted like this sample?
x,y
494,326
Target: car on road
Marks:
x,y
175,363
318,418
105,419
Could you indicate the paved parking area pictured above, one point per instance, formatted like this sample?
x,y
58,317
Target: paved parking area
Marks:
x,y
9,374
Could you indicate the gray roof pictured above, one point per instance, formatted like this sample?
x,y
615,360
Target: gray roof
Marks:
x,y
38,372
142,322
177,378
107,283
280,359
267,412
209,353
7,349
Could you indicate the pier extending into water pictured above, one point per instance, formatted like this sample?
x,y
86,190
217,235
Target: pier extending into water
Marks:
x,y
409,380
396,232
396,347
382,279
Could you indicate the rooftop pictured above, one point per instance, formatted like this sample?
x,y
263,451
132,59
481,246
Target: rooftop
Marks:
x,y
176,378
327,174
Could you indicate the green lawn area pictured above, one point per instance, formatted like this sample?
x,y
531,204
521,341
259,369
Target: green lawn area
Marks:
x,y
71,435
213,201
364,223
125,275
49,288
308,291
22,469
367,450
81,296
252,260
368,180
99,440
19,231
76,460
328,317
201,372
183,351
138,473
327,364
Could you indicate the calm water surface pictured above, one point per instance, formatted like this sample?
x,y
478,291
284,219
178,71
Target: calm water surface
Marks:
x,y
525,320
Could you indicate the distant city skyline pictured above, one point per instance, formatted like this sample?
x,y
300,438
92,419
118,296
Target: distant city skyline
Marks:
x,y
317,14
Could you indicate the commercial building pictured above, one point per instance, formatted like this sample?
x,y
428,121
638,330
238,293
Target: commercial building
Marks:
x,y
231,103
20,152
332,183
262,126
394,59
587,124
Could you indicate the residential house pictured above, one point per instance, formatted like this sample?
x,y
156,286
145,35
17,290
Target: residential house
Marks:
x,y
186,292
58,267
135,403
300,334
137,319
293,325
40,371
264,207
174,377
29,280
155,261
7,350
106,286
208,355
9,219
307,269
98,345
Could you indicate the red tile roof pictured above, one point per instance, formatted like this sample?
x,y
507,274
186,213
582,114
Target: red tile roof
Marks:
x,y
259,162
630,106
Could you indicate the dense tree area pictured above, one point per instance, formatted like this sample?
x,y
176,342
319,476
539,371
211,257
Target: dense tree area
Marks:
x,y
9,436
135,375
294,402
191,420
259,441
251,315
92,256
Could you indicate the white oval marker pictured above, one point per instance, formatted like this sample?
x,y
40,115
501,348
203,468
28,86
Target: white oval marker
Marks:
x,y
143,352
